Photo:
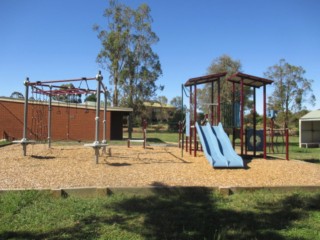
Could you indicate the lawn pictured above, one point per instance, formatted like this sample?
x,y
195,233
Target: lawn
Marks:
x,y
169,214
306,154
295,152
4,143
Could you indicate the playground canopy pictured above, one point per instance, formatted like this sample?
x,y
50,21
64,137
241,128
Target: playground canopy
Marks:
x,y
309,129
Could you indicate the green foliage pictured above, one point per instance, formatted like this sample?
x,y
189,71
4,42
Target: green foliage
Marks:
x,y
176,102
291,90
69,98
224,63
127,53
91,98
182,213
174,120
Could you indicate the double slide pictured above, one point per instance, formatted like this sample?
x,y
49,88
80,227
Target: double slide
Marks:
x,y
217,147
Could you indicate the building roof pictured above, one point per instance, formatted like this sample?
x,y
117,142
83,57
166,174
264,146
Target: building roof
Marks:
x,y
157,105
89,105
311,116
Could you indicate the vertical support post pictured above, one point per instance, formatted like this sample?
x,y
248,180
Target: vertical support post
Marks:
x,y
212,101
254,123
233,116
195,120
264,122
300,137
241,115
219,102
25,117
144,128
180,133
287,144
105,118
96,142
182,116
190,137
97,118
49,117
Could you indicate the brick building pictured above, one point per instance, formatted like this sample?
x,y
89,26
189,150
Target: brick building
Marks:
x,y
69,121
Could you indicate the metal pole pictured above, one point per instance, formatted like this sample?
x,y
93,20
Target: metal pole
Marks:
x,y
241,115
287,143
98,108
182,116
49,118
212,101
105,118
254,123
96,142
234,116
219,102
264,122
190,132
25,117
195,120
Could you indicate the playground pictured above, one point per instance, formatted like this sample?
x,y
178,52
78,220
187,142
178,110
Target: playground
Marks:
x,y
73,167
213,160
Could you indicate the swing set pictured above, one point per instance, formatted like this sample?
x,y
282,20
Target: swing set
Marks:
x,y
51,90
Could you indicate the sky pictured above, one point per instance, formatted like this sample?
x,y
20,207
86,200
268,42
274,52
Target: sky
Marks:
x,y
54,39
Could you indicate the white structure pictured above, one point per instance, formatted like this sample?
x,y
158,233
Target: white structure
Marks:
x,y
309,129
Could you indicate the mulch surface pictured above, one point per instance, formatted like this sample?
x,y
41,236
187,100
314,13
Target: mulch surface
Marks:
x,y
74,166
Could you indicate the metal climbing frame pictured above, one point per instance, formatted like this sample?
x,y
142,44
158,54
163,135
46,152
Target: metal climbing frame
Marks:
x,y
54,90
237,78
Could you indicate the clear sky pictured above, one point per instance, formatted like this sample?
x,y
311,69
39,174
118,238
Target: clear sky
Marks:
x,y
53,39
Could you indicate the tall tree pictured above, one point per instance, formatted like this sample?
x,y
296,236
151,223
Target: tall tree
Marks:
x,y
224,63
291,89
128,55
176,102
115,42
163,100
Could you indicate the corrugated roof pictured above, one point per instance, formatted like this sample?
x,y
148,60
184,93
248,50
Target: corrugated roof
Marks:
x,y
249,80
157,105
205,79
314,115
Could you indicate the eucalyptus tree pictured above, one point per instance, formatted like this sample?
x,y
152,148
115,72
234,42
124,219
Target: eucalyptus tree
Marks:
x,y
128,55
115,42
224,63
291,89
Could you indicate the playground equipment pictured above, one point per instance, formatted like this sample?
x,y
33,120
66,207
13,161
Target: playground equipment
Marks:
x,y
217,146
278,139
231,114
144,139
48,88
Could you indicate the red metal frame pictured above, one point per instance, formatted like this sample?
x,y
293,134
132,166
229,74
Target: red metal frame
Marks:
x,y
239,78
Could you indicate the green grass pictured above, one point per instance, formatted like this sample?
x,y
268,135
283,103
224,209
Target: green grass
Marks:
x,y
157,137
169,214
306,154
3,143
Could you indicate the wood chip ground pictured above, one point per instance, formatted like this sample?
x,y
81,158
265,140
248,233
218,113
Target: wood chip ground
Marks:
x,y
74,166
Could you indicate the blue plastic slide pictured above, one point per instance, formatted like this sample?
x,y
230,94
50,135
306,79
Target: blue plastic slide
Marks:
x,y
234,160
216,150
210,146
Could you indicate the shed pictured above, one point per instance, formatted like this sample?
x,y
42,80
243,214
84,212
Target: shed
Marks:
x,y
309,129
70,121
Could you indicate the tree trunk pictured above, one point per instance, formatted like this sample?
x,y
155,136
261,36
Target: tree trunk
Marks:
x,y
115,93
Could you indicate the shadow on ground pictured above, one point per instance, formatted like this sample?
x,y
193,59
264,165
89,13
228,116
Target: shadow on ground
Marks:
x,y
185,213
